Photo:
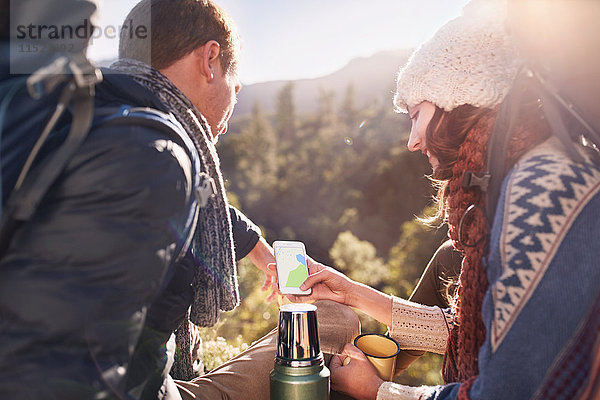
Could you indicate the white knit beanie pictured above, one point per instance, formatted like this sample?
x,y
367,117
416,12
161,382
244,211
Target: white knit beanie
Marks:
x,y
469,60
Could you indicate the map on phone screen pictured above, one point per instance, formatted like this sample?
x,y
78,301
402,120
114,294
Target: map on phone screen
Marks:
x,y
298,275
292,267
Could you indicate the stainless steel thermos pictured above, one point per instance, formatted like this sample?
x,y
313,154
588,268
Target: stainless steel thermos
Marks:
x,y
299,372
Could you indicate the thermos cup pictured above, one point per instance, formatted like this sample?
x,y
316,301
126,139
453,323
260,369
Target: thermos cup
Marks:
x,y
381,350
299,372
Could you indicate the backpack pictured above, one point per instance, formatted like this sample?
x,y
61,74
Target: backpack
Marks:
x,y
70,82
550,75
564,119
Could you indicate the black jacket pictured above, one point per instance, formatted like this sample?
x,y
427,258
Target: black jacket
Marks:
x,y
78,279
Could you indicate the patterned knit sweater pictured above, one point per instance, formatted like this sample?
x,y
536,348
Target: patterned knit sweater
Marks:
x,y
542,309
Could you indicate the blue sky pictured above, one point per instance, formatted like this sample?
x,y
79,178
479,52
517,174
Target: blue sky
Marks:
x,y
293,39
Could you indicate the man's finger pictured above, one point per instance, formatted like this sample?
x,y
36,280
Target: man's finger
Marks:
x,y
267,283
272,267
272,296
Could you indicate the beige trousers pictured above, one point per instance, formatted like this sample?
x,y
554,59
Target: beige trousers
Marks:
x,y
246,376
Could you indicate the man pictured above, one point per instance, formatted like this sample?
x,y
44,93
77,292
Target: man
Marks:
x,y
190,63
195,75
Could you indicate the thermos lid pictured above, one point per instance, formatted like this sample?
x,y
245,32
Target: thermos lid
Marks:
x,y
298,338
297,308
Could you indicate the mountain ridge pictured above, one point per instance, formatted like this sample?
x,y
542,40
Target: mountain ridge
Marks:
x,y
373,78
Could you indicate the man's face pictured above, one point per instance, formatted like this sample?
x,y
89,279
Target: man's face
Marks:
x,y
221,99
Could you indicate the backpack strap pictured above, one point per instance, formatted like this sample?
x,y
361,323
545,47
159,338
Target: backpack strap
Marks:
x,y
554,106
498,146
81,77
9,90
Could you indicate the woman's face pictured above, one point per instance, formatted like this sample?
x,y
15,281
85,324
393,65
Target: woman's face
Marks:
x,y
420,116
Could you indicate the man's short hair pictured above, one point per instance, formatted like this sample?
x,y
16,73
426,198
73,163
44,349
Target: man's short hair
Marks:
x,y
177,27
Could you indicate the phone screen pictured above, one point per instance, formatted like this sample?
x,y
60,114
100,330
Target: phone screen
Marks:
x,y
291,267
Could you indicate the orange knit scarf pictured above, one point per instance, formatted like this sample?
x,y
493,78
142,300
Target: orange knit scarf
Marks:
x,y
468,334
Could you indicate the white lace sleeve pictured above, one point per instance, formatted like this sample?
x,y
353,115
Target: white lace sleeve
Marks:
x,y
419,327
395,391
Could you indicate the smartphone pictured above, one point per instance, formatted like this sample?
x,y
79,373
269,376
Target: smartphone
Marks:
x,y
292,269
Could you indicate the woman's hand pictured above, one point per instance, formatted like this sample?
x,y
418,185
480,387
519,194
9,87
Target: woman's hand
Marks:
x,y
326,284
355,376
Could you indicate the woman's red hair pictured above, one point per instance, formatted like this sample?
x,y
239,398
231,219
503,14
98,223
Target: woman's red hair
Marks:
x,y
459,141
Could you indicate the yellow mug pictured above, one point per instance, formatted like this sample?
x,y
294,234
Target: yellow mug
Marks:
x,y
381,351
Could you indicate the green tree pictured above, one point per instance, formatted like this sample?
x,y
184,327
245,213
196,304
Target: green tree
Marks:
x,y
411,253
358,259
285,115
256,159
349,112
326,115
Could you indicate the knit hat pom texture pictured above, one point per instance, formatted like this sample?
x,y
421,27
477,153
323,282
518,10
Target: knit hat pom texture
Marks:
x,y
469,60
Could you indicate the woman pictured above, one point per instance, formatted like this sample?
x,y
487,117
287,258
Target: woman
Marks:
x,y
521,305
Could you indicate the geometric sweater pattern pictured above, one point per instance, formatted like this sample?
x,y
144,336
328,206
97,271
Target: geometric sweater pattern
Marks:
x,y
546,195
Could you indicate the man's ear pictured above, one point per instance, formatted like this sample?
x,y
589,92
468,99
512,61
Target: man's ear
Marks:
x,y
208,56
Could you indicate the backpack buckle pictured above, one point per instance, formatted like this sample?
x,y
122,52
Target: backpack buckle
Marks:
x,y
45,79
479,179
84,73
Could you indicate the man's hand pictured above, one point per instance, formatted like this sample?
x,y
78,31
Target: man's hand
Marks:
x,y
262,256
